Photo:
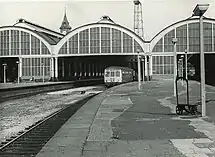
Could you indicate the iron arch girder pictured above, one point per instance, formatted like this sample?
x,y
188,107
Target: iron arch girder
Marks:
x,y
134,36
174,26
18,28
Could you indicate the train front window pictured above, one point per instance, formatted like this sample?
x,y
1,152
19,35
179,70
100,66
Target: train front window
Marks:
x,y
112,74
107,73
117,73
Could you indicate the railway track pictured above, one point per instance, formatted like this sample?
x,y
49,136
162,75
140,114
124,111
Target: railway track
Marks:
x,y
29,142
21,92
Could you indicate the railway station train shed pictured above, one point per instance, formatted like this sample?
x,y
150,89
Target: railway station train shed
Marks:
x,y
31,51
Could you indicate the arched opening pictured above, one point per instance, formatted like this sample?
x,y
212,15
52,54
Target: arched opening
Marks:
x,y
10,72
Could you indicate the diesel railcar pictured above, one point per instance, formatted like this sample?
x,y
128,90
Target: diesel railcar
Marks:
x,y
115,75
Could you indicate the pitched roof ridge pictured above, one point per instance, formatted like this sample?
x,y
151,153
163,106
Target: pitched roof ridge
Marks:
x,y
21,20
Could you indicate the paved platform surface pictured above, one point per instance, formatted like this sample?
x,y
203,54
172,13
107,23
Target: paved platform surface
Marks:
x,y
125,122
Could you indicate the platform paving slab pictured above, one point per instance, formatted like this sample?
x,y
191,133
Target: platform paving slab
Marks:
x,y
74,132
121,148
60,151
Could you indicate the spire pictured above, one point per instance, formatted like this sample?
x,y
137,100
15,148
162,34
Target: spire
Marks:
x,y
65,27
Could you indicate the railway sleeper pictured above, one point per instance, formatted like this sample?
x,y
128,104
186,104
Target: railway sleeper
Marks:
x,y
25,149
4,142
23,145
9,154
31,140
33,145
41,133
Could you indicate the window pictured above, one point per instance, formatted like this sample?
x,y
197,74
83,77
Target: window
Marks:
x,y
14,42
117,73
84,41
107,73
35,45
73,44
127,43
207,37
137,46
44,49
105,40
181,35
25,43
159,46
63,49
162,64
112,74
4,47
194,42
94,40
168,46
33,67
116,41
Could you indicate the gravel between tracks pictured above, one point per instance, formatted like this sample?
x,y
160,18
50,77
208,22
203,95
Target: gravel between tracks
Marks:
x,y
16,115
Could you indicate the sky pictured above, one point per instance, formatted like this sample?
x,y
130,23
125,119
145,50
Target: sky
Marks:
x,y
157,14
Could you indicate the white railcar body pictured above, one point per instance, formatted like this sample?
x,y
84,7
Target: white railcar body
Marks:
x,y
116,75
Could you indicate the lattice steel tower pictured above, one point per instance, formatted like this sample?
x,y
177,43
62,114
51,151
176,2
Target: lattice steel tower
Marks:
x,y
138,19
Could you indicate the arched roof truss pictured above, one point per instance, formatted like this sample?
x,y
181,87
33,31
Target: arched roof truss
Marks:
x,y
100,39
187,33
22,42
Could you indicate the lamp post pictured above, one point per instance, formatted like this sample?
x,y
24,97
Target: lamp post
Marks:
x,y
138,66
199,10
4,65
143,59
182,68
174,41
17,62
43,72
186,64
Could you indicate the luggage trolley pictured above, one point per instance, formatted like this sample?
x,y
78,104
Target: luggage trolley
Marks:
x,y
192,109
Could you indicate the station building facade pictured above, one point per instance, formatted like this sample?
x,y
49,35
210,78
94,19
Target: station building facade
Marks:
x,y
30,50
26,49
188,36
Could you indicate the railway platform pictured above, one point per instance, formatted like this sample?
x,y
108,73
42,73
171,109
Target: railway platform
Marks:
x,y
125,122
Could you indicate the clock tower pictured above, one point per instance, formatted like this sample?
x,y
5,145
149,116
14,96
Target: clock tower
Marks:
x,y
65,27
